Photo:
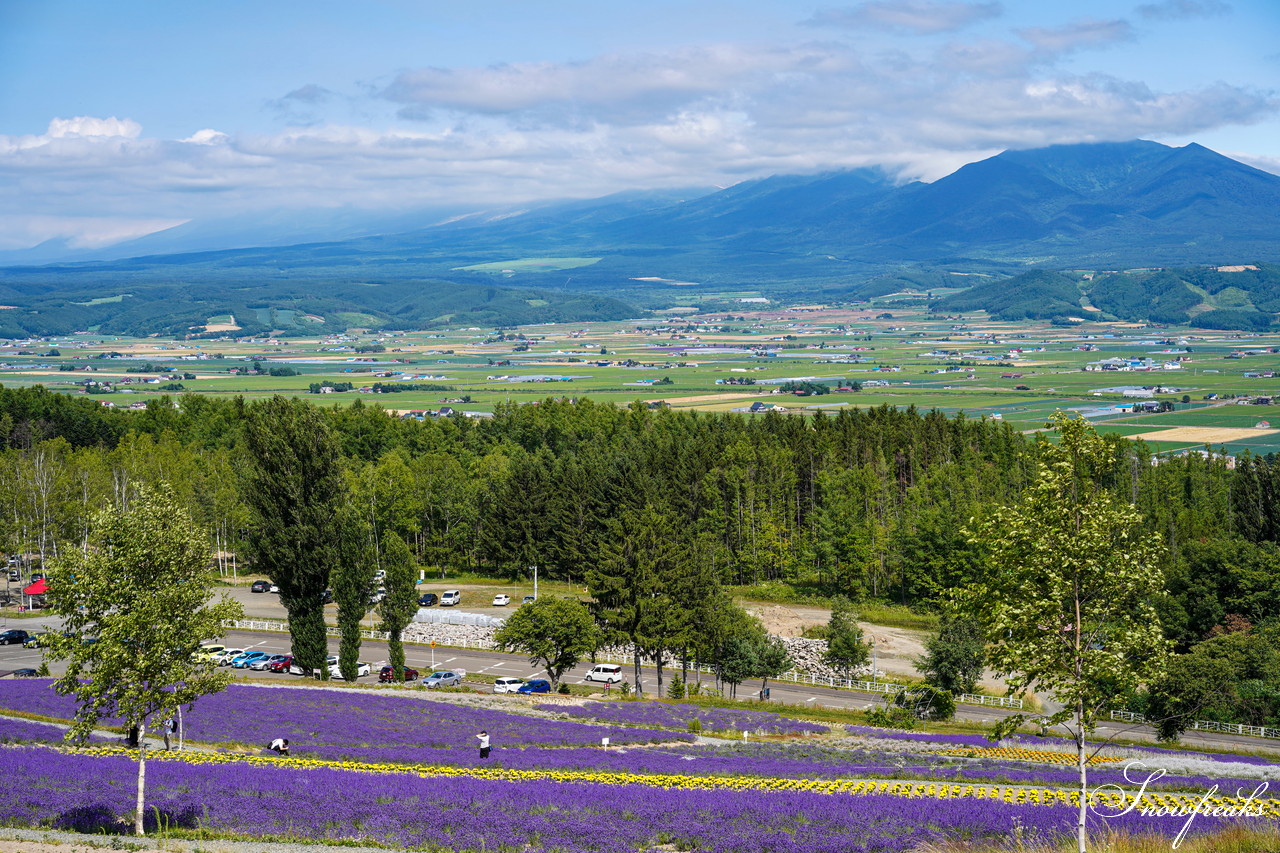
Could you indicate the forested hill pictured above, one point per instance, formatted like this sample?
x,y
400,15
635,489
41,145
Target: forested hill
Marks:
x,y
1244,296
871,503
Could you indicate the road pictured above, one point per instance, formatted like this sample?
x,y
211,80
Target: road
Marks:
x,y
426,659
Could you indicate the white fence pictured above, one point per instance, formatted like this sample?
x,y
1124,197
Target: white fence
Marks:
x,y
605,657
1207,726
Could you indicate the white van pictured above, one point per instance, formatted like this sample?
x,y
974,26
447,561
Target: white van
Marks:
x,y
450,597
608,673
507,684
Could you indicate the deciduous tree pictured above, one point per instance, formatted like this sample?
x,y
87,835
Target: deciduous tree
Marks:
x,y
136,606
1064,599
554,632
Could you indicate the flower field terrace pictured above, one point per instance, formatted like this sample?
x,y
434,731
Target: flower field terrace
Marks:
x,y
298,799
664,715
319,720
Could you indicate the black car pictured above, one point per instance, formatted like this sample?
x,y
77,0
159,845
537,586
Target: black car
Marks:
x,y
13,635
260,586
428,599
27,672
326,597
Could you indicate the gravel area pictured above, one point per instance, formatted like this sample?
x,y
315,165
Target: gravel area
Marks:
x,y
41,841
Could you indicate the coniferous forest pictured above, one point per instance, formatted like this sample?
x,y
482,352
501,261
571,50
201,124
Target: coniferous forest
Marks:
x,y
873,504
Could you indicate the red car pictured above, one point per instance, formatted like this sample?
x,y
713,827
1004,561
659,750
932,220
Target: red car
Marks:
x,y
388,674
281,665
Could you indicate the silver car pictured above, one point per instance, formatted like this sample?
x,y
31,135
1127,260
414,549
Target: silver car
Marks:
x,y
443,678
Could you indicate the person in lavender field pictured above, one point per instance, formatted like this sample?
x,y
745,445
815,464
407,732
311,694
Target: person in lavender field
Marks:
x,y
170,729
280,746
483,737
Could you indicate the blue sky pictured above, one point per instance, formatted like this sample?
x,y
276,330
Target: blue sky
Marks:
x,y
121,118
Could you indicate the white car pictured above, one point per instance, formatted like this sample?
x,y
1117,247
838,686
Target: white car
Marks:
x,y
608,673
450,598
507,684
362,669
501,600
225,656
295,669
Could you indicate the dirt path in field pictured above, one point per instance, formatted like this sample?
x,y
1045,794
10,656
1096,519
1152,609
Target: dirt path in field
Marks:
x,y
896,648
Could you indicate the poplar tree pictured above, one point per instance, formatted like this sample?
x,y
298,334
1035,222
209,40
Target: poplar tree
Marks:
x,y
295,489
400,605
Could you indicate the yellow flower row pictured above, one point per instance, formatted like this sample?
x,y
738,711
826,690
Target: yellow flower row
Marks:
x,y
1018,754
925,790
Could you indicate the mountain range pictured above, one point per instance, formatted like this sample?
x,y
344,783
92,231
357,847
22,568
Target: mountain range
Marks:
x,y
1104,206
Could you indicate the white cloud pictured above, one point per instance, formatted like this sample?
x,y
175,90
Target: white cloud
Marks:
x,y
1088,32
20,231
62,128
516,133
1174,10
906,16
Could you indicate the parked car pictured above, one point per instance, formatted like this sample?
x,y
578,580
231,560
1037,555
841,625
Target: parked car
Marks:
x,y
260,586
362,669
37,576
13,636
294,669
387,673
428,599
26,672
15,575
36,641
538,685
326,597
210,652
507,684
244,660
443,678
378,596
450,598
528,599
226,655
606,673
281,665
262,663
501,600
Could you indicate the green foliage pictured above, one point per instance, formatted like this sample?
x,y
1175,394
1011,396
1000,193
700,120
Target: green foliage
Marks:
x,y
351,578
401,604
954,656
892,717
678,689
295,490
554,632
1038,295
1065,601
846,648
141,593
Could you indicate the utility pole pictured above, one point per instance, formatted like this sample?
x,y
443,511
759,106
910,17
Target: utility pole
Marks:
x,y
535,582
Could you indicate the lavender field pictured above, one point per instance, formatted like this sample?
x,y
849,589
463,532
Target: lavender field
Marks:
x,y
614,805
681,716
325,721
91,794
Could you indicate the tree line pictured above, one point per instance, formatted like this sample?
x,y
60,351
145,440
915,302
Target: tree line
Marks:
x,y
654,508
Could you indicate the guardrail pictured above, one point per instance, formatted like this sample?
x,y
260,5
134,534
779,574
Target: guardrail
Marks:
x,y
605,657
1208,726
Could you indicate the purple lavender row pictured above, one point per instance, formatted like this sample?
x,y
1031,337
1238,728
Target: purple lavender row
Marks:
x,y
92,794
315,717
28,731
680,716
799,761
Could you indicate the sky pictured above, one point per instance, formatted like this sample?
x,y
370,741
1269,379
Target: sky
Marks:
x,y
123,118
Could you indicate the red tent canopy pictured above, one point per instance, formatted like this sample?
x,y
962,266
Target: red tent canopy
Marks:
x,y
37,588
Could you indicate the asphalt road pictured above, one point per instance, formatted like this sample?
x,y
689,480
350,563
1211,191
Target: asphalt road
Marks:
x,y
492,663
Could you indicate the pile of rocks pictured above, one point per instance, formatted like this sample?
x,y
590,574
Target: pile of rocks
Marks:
x,y
473,636
806,654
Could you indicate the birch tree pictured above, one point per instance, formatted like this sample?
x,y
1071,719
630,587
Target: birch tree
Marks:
x,y
1064,597
141,594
